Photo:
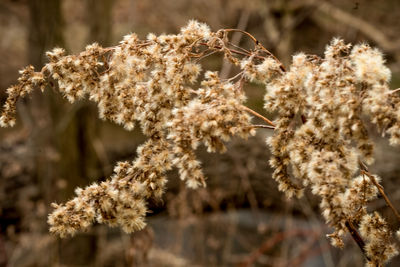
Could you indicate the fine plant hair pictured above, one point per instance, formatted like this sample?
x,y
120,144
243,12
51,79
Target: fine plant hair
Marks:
x,y
319,140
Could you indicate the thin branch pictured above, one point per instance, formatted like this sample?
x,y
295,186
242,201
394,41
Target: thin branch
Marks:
x,y
382,192
238,47
394,91
363,26
231,50
258,115
356,236
204,55
262,126
240,74
259,45
242,24
243,32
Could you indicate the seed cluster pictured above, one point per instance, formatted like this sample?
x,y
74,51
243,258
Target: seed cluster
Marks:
x,y
320,138
150,82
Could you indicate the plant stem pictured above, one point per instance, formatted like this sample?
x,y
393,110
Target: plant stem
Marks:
x,y
382,192
262,126
356,236
258,115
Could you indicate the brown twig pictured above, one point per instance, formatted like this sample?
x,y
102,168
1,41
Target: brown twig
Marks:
x,y
240,48
258,115
364,26
258,44
382,192
262,126
204,55
394,91
231,50
244,52
356,236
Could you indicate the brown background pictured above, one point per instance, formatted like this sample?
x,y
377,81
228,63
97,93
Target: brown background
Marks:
x,y
240,218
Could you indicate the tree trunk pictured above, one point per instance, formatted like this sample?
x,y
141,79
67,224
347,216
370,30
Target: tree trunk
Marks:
x,y
99,16
65,155
45,29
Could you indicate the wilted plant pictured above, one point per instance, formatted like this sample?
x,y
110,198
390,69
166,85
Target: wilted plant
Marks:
x,y
319,138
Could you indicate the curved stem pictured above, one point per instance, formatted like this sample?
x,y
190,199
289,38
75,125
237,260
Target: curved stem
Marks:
x,y
258,44
258,115
231,50
394,91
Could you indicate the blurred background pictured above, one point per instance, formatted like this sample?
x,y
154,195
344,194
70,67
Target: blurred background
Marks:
x,y
240,219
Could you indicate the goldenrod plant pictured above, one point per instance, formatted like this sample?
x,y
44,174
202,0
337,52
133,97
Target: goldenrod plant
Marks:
x,y
319,140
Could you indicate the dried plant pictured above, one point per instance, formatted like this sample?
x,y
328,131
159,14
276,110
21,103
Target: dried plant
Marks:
x,y
319,140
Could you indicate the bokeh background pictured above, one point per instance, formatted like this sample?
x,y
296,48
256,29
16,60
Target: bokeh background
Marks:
x,y
240,219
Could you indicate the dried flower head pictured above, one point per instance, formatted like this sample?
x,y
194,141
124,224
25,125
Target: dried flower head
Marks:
x,y
321,137
150,82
